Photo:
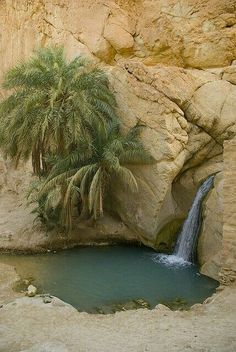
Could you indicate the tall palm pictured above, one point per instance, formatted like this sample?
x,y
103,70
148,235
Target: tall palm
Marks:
x,y
88,178
53,104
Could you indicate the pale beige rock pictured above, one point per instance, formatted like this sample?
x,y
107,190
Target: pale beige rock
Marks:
x,y
8,278
118,37
31,291
229,74
190,33
228,270
210,239
166,100
212,108
119,30
162,308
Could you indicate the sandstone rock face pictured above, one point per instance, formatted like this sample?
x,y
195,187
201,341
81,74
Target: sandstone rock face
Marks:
x,y
210,240
189,33
171,66
184,132
228,269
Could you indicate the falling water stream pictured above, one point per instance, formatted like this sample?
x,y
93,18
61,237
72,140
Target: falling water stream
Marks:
x,y
185,247
186,244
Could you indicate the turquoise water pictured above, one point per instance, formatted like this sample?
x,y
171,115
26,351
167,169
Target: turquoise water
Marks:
x,y
92,277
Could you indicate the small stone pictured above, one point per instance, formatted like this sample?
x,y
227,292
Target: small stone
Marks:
x,y
31,291
197,306
162,307
47,299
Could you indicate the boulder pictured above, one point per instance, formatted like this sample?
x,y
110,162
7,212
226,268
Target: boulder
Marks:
x,y
228,267
31,291
210,239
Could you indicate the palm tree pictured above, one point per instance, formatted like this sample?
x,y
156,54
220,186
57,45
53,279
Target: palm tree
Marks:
x,y
80,177
53,104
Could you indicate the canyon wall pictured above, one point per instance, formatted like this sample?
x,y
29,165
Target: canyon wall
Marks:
x,y
188,33
171,65
228,267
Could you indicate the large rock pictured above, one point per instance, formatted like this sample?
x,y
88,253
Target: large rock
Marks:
x,y
193,33
184,131
210,240
228,269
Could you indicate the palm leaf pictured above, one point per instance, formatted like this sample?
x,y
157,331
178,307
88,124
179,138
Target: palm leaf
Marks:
x,y
94,186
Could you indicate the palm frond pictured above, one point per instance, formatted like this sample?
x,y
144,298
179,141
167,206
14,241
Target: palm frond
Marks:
x,y
55,104
94,186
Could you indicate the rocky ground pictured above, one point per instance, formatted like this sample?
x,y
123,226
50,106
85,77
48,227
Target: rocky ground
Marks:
x,y
29,325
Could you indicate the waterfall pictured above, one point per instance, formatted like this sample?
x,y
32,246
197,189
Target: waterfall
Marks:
x,y
187,240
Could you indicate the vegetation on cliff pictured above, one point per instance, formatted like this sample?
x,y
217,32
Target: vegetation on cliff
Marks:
x,y
63,116
52,105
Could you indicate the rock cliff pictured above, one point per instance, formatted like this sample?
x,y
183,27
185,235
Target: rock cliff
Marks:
x,y
228,267
189,33
171,65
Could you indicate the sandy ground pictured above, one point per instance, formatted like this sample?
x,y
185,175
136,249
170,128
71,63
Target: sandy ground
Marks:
x,y
28,324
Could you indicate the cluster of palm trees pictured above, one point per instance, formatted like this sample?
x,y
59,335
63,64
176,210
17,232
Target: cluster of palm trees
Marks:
x,y
63,116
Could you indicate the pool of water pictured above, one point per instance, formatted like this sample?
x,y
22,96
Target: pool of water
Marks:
x,y
93,277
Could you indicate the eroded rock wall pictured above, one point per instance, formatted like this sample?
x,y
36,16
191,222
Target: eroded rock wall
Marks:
x,y
228,269
211,237
188,114
189,33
